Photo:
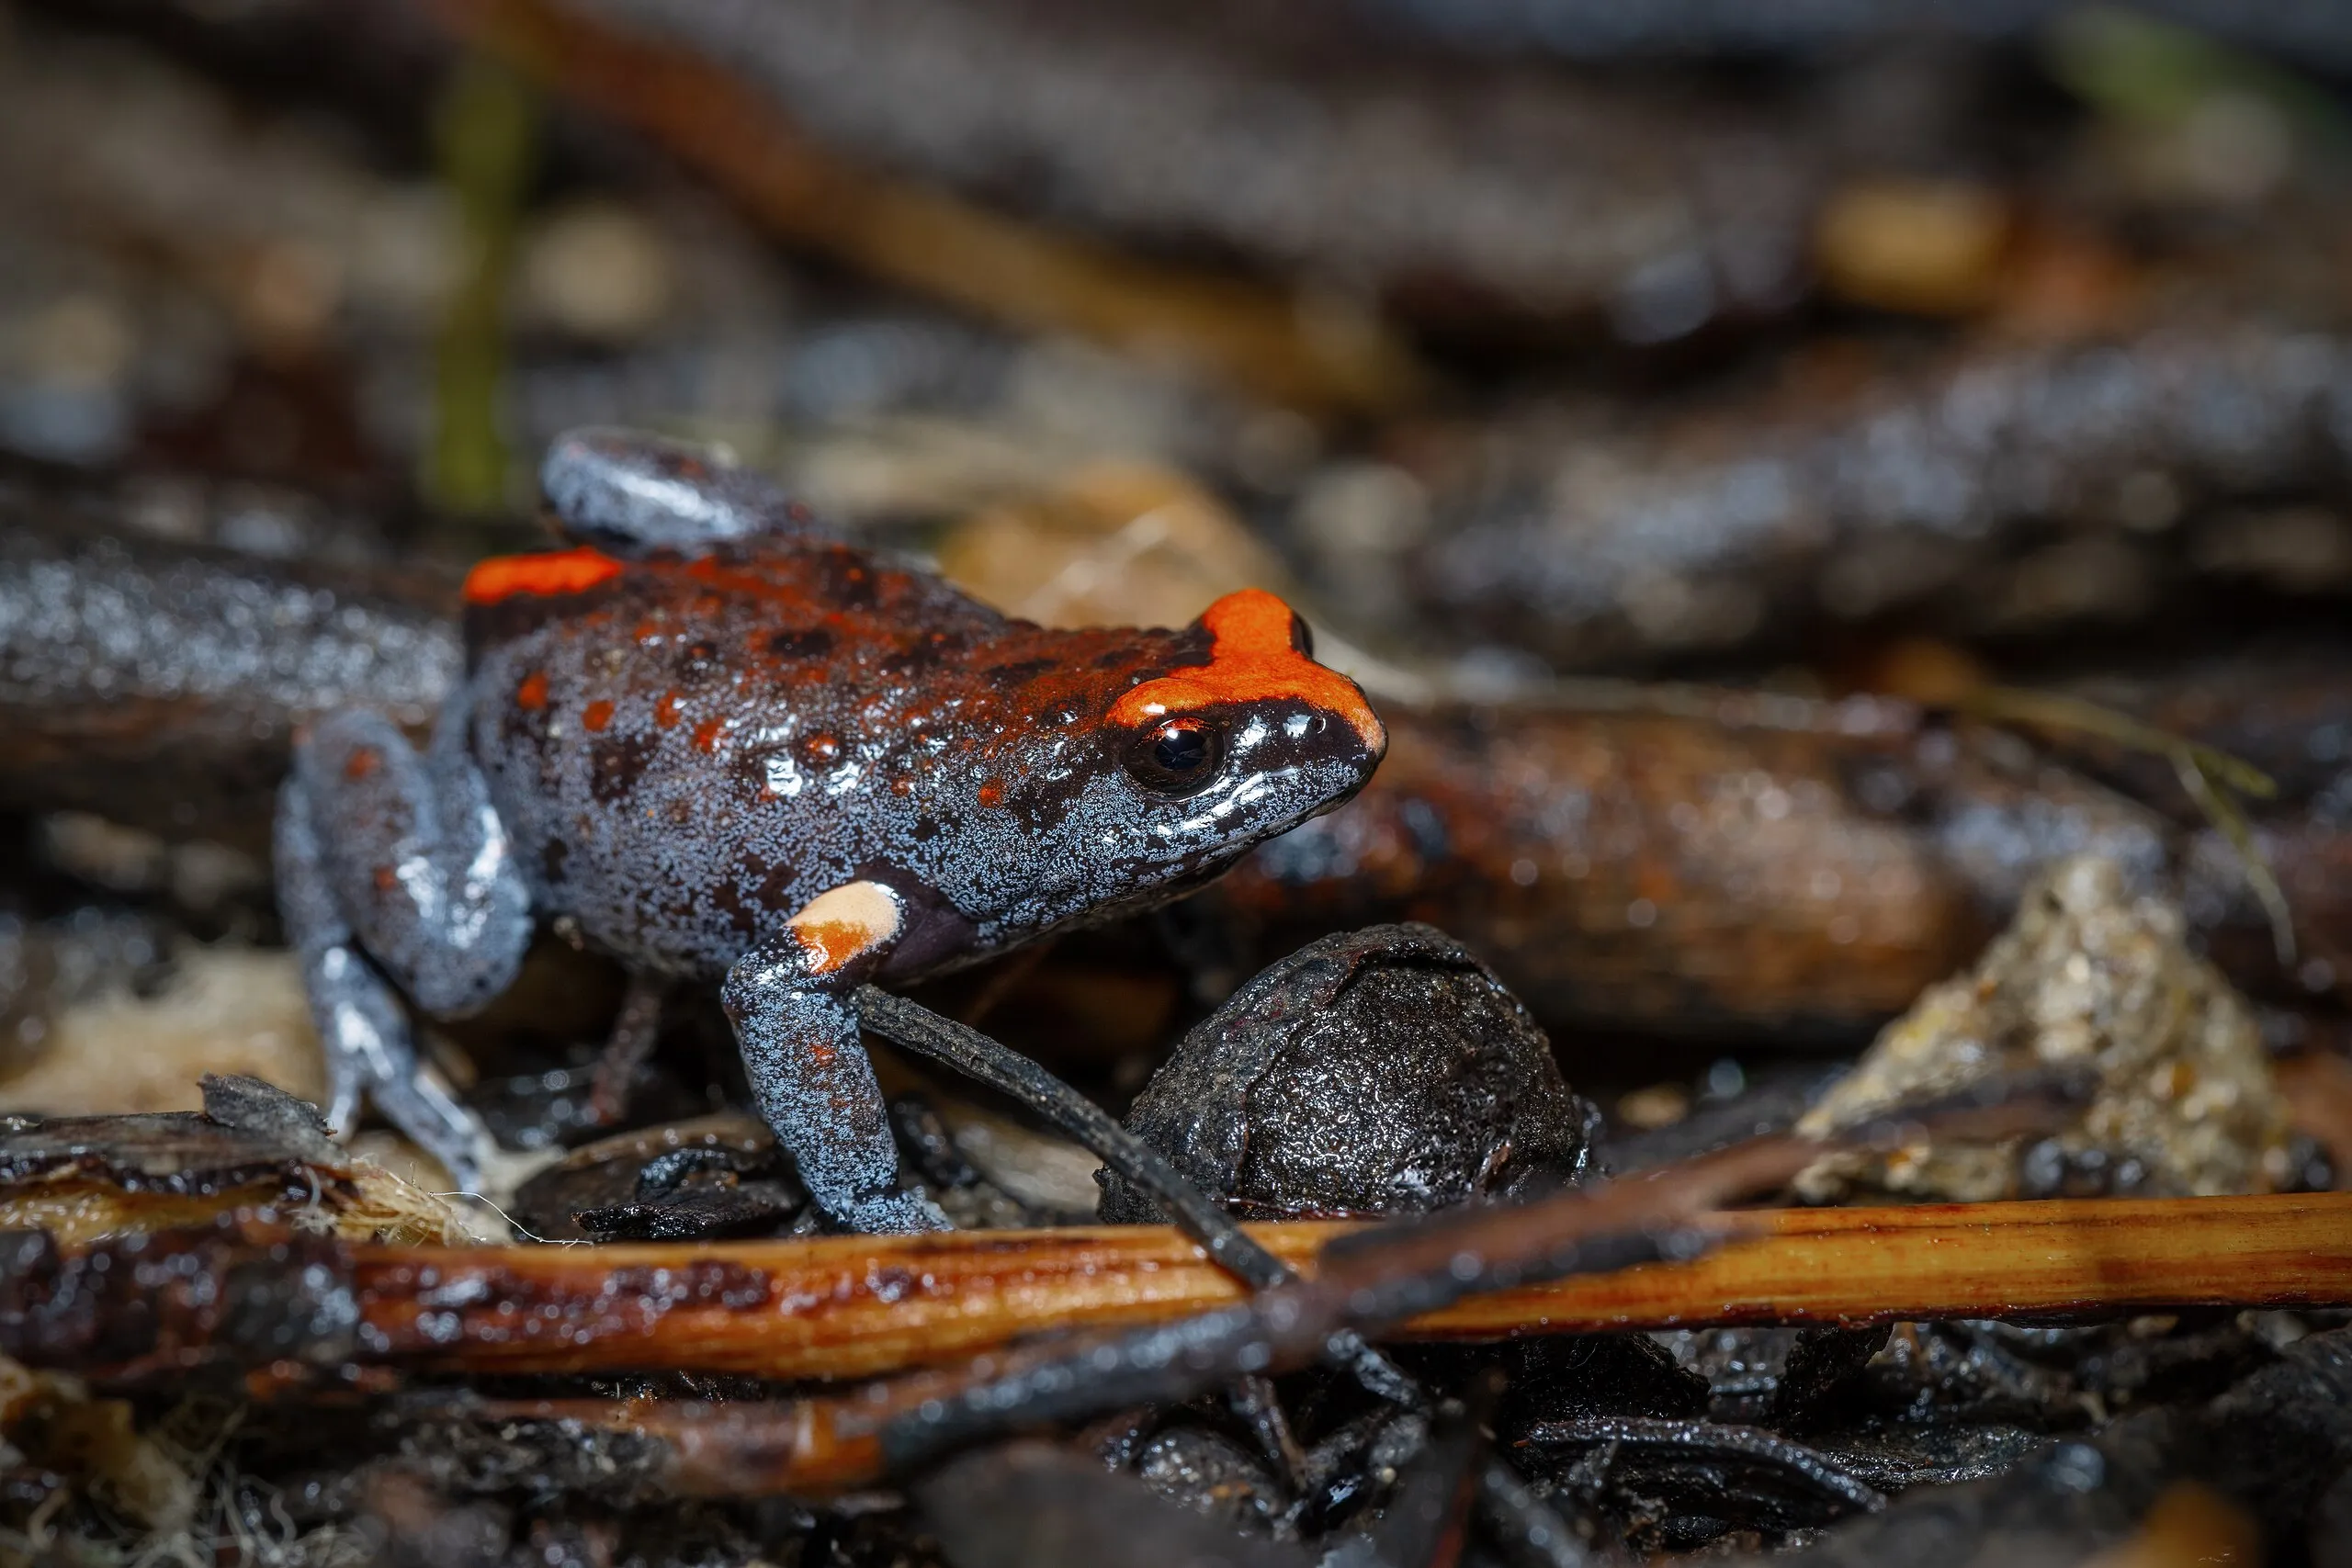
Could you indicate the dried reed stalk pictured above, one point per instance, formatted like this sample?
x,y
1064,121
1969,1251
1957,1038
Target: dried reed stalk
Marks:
x,y
860,1306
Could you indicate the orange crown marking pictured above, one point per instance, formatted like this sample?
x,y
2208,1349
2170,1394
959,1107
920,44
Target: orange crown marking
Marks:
x,y
557,571
1253,659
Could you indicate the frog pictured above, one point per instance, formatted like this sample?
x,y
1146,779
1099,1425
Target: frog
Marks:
x,y
717,740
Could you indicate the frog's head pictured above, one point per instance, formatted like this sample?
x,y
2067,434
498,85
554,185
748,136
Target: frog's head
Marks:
x,y
1260,721
1188,765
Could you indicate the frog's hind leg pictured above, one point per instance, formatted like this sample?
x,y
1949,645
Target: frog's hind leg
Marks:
x,y
393,869
630,493
792,1001
635,1030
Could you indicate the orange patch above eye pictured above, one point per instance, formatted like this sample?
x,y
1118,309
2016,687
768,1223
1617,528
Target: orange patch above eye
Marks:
x,y
553,572
1253,659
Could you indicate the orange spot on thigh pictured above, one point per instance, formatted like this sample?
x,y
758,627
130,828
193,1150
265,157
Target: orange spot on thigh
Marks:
x,y
361,762
599,713
533,692
834,943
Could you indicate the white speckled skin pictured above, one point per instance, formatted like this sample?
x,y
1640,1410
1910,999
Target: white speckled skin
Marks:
x,y
682,751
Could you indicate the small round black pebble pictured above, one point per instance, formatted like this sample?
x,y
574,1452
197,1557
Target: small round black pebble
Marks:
x,y
1384,1071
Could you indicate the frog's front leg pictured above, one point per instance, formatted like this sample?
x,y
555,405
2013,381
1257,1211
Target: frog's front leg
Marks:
x,y
393,869
792,1002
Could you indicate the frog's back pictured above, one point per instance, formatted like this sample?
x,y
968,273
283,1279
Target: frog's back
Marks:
x,y
682,748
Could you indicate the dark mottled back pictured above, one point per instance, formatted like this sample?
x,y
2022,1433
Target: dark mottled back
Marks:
x,y
686,750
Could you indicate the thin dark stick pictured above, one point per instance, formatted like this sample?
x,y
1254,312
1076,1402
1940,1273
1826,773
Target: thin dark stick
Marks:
x,y
1254,1401
1527,1530
636,1029
916,1027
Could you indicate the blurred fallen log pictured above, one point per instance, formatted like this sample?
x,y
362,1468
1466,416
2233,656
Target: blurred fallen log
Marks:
x,y
1684,29
927,240
859,1306
159,684
163,183
1302,149
1741,861
2246,1476
2011,492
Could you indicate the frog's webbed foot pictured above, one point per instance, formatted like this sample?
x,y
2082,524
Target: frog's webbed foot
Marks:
x,y
392,869
630,493
792,1000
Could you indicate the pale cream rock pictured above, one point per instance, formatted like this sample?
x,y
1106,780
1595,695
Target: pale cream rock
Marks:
x,y
2086,974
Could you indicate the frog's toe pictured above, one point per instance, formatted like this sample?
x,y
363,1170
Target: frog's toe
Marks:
x,y
417,1104
896,1214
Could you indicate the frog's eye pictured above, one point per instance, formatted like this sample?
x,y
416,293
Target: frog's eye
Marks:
x,y
1176,757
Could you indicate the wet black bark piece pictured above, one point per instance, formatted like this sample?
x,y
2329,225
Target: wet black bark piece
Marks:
x,y
1897,1456
702,1179
713,1207
1382,1071
1211,1475
1554,1378
924,1142
2055,1377
1427,1513
1028,1503
1740,1368
1823,1366
1974,1370
541,1462
2273,1445
1692,1481
248,1131
1344,1470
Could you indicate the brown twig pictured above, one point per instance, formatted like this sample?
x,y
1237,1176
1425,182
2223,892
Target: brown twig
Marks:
x,y
1807,1266
860,1306
1155,1319
1364,1280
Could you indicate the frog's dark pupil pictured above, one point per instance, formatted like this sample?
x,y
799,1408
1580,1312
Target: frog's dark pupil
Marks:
x,y
1176,759
1180,749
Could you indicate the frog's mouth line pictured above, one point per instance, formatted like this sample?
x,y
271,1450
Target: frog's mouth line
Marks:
x,y
1329,805
1193,881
